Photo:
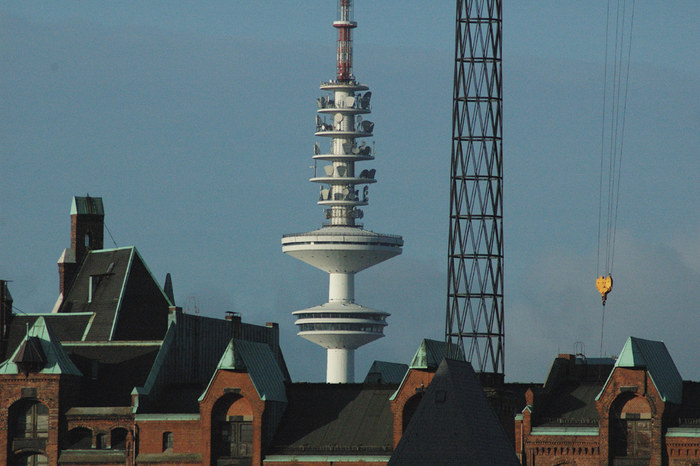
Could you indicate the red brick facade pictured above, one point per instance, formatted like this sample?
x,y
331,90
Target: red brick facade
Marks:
x,y
407,398
632,418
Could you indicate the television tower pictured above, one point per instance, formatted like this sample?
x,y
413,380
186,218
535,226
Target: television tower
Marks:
x,y
341,247
475,264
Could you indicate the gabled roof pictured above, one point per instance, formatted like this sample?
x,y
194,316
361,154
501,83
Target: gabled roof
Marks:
x,y
258,361
430,353
428,357
66,327
112,369
454,424
127,301
56,359
655,358
386,372
339,420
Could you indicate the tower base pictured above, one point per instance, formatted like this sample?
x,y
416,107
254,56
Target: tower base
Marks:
x,y
340,366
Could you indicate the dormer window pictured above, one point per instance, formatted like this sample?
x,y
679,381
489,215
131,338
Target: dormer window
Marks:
x,y
30,356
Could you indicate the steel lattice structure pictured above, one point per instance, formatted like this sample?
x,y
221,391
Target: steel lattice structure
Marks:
x,y
475,325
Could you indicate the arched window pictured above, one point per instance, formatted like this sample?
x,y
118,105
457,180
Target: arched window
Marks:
x,y
79,438
29,419
168,440
232,428
32,459
410,408
118,438
630,428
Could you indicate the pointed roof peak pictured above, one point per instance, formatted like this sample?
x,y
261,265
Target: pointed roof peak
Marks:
x,y
430,353
40,339
168,288
653,356
454,398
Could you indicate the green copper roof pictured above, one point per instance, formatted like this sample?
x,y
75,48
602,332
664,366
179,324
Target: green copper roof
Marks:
x,y
430,354
258,361
655,358
57,361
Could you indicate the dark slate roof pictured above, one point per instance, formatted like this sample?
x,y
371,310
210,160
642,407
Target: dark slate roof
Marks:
x,y
335,419
109,269
569,404
127,301
111,370
64,327
689,412
189,356
454,424
386,372
55,359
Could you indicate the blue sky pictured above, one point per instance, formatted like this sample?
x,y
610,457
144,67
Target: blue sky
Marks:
x,y
194,122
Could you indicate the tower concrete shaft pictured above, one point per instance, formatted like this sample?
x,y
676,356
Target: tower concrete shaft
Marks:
x,y
474,317
341,247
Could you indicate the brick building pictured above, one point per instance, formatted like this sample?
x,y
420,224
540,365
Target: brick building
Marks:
x,y
117,374
632,410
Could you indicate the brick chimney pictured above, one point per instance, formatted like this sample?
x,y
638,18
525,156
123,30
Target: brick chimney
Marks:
x,y
86,234
5,314
236,323
67,270
87,226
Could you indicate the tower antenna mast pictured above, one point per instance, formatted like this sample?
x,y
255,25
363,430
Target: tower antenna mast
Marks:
x,y
474,317
342,247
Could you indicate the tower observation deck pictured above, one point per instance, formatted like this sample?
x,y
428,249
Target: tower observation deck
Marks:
x,y
341,247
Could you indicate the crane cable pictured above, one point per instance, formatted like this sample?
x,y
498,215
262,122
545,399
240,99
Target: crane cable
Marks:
x,y
611,145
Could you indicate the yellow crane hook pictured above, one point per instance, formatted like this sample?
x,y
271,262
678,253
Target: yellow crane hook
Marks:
x,y
604,286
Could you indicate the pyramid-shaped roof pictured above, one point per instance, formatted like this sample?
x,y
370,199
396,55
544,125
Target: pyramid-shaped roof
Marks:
x,y
454,424
55,357
655,358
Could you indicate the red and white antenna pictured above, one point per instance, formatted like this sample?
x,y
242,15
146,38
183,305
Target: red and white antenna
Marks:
x,y
342,247
345,25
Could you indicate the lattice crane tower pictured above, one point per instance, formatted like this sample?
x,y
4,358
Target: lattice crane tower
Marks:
x,y
341,247
474,321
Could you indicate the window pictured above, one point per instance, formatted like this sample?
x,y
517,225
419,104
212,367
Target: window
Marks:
x,y
118,439
409,409
80,438
101,441
32,459
630,429
168,441
232,430
30,419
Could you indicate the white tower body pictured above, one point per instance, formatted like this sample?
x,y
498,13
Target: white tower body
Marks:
x,y
342,247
